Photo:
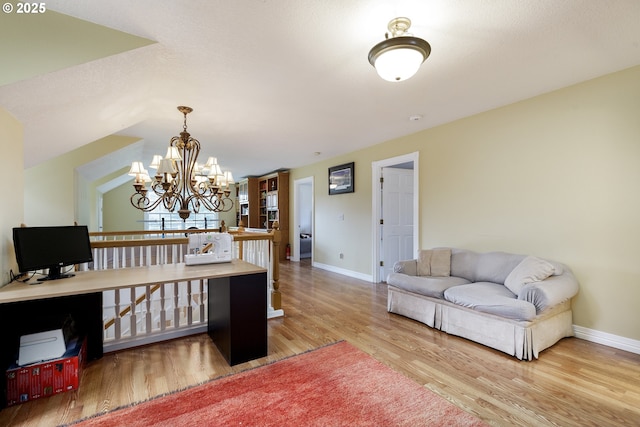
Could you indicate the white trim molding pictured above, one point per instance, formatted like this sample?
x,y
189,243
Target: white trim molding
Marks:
x,y
344,272
376,204
604,338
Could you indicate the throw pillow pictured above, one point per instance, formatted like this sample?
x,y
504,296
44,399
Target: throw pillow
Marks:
x,y
424,262
530,269
441,262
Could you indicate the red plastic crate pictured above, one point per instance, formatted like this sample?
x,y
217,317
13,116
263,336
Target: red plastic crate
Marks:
x,y
25,383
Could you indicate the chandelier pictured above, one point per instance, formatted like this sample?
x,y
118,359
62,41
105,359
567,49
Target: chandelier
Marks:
x,y
180,182
399,57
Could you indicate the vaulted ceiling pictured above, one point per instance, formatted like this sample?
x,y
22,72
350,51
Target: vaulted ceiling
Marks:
x,y
286,83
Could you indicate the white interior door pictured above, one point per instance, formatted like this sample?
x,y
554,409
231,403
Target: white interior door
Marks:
x,y
397,218
303,219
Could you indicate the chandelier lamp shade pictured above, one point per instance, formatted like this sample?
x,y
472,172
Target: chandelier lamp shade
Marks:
x,y
180,182
400,55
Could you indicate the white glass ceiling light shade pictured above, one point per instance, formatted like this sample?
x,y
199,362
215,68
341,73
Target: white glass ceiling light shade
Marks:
x,y
399,57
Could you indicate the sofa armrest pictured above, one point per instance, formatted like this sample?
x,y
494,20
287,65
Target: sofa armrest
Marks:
x,y
408,267
551,291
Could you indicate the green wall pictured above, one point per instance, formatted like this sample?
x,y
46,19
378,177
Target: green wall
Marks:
x,y
11,174
54,192
117,212
554,176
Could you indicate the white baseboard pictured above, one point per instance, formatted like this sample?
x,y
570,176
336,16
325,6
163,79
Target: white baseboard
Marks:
x,y
272,314
604,338
344,272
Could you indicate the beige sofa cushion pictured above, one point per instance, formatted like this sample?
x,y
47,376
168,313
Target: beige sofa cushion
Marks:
x,y
424,262
490,298
530,270
434,262
428,286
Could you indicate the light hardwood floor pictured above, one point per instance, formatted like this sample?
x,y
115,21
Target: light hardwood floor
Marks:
x,y
573,383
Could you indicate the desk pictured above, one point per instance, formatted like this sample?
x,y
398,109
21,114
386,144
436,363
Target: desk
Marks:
x,y
240,289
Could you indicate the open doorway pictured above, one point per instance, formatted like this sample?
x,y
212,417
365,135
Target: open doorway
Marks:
x,y
395,212
302,237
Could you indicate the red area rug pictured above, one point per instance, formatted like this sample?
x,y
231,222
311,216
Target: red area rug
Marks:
x,y
337,385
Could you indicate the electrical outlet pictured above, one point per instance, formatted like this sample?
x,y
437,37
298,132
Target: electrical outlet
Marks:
x,y
341,255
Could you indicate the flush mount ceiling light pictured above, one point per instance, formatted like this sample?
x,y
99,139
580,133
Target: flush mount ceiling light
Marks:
x,y
399,56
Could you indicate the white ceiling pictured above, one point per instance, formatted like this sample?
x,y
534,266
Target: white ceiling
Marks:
x,y
272,82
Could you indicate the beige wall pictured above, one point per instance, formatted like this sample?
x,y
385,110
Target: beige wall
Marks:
x,y
65,198
11,173
555,176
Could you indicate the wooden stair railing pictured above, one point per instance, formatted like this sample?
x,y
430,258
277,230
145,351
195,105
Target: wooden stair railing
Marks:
x,y
139,238
127,309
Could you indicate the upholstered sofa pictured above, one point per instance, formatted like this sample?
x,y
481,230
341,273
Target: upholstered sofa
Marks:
x,y
514,303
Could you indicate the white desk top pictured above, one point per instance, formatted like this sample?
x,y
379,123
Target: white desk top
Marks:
x,y
102,280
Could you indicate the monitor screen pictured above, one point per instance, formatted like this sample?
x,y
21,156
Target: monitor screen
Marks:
x,y
51,248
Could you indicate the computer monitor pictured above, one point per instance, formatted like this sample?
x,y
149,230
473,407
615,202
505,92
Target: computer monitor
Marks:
x,y
51,248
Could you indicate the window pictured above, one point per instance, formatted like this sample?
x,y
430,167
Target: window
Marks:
x,y
161,219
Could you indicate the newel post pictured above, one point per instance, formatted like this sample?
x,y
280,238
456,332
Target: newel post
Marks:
x,y
276,297
240,245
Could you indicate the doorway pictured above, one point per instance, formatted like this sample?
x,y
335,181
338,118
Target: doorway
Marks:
x,y
302,239
395,212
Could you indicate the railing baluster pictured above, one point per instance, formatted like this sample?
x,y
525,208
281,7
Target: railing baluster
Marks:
x,y
149,327
201,298
176,305
116,257
163,311
118,318
134,324
189,306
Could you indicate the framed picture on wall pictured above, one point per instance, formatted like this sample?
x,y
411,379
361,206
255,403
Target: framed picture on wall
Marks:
x,y
341,179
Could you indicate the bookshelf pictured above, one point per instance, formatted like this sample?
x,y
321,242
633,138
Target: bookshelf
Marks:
x,y
263,200
248,202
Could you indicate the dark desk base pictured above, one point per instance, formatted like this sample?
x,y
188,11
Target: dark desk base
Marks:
x,y
238,316
28,317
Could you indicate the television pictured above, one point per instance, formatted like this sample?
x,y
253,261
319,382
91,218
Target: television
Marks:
x,y
51,248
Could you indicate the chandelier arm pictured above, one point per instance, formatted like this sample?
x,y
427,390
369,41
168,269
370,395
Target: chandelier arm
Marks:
x,y
170,200
192,151
212,202
143,202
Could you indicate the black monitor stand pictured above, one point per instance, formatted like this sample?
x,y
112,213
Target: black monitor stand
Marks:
x,y
55,273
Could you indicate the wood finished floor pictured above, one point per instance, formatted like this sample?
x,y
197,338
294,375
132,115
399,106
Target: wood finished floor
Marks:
x,y
574,383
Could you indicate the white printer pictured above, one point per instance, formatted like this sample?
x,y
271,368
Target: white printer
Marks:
x,y
41,346
209,248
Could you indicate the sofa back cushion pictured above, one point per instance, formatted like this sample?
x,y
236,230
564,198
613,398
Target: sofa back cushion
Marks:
x,y
434,262
530,270
483,267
